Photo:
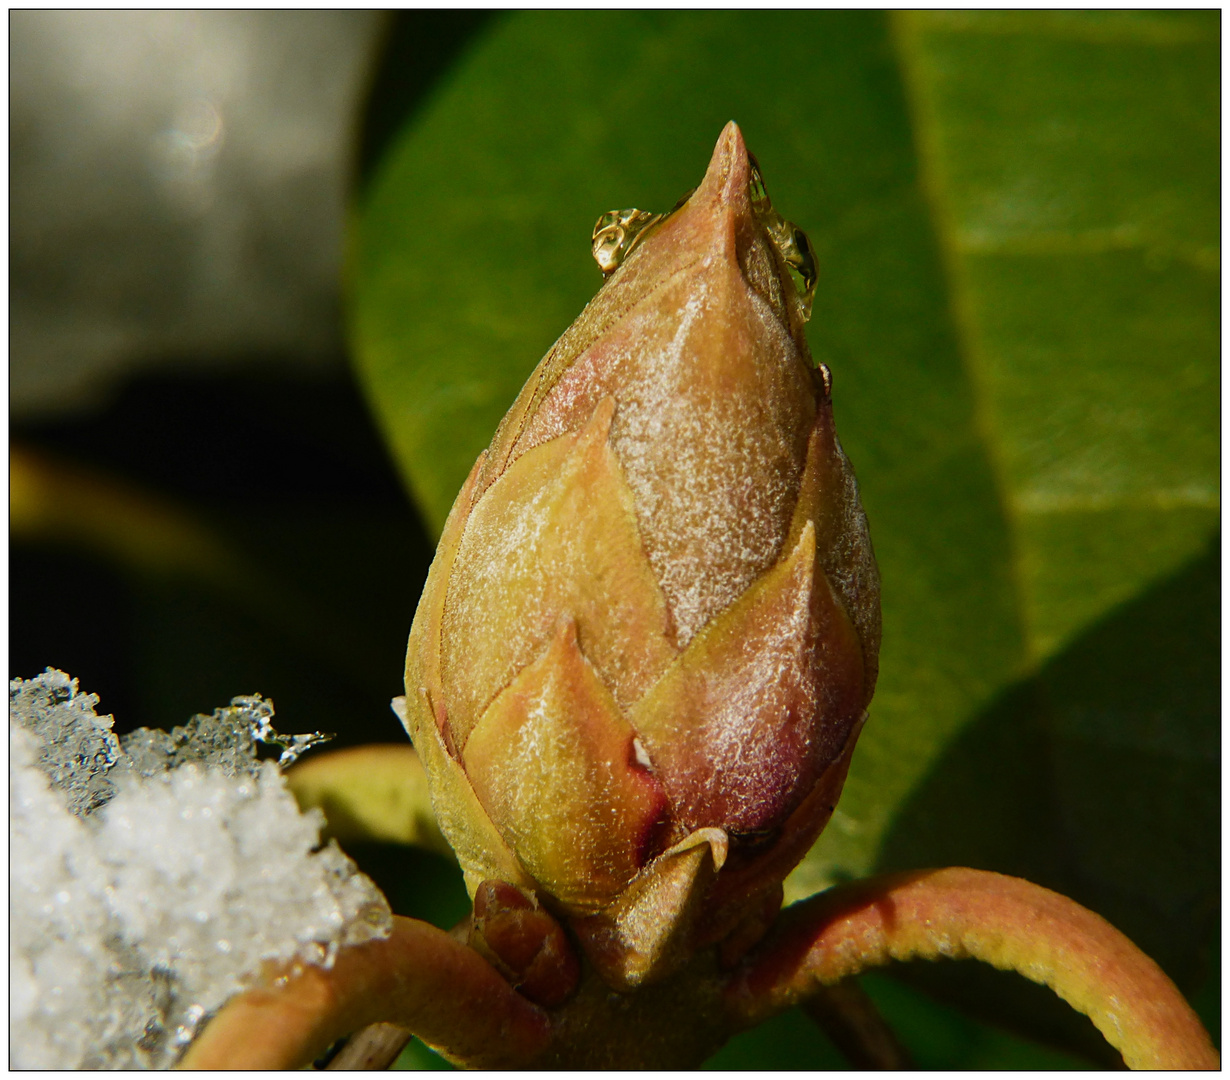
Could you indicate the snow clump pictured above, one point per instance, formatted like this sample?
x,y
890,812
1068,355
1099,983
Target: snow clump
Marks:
x,y
151,877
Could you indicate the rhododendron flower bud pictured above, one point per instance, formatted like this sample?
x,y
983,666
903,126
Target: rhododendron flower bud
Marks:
x,y
650,633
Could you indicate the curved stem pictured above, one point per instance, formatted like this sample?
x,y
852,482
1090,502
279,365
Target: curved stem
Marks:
x,y
959,913
420,978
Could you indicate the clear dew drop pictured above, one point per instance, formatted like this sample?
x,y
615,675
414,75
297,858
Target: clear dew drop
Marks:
x,y
617,233
787,237
759,194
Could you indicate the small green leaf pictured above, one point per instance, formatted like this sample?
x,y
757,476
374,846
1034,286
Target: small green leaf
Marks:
x,y
373,794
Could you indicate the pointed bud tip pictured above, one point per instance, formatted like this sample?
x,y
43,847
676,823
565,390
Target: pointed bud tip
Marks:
x,y
729,169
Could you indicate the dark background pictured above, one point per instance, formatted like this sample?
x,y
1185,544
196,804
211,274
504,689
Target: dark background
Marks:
x,y
282,460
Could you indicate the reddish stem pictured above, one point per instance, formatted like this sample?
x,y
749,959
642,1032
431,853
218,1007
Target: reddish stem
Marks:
x,y
959,913
420,978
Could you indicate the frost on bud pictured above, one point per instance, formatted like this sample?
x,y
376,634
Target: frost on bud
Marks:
x,y
650,633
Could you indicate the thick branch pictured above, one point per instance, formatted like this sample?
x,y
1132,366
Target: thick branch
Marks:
x,y
1010,923
420,979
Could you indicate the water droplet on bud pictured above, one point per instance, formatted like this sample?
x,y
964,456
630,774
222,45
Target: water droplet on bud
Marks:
x,y
761,203
787,237
617,233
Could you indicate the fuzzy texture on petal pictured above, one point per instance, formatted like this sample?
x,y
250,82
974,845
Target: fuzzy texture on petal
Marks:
x,y
465,824
742,725
554,762
716,398
828,498
555,536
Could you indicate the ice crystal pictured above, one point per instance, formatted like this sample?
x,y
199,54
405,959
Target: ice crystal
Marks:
x,y
227,740
151,878
76,747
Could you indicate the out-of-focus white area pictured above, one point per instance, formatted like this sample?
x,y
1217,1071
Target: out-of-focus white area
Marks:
x,y
177,183
183,865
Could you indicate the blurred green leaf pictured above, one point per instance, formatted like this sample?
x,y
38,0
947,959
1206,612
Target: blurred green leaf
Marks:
x,y
418,1055
781,1042
1017,220
1071,165
936,1038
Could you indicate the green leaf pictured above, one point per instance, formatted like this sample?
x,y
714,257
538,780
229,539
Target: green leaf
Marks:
x,y
934,1037
1016,216
1071,166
